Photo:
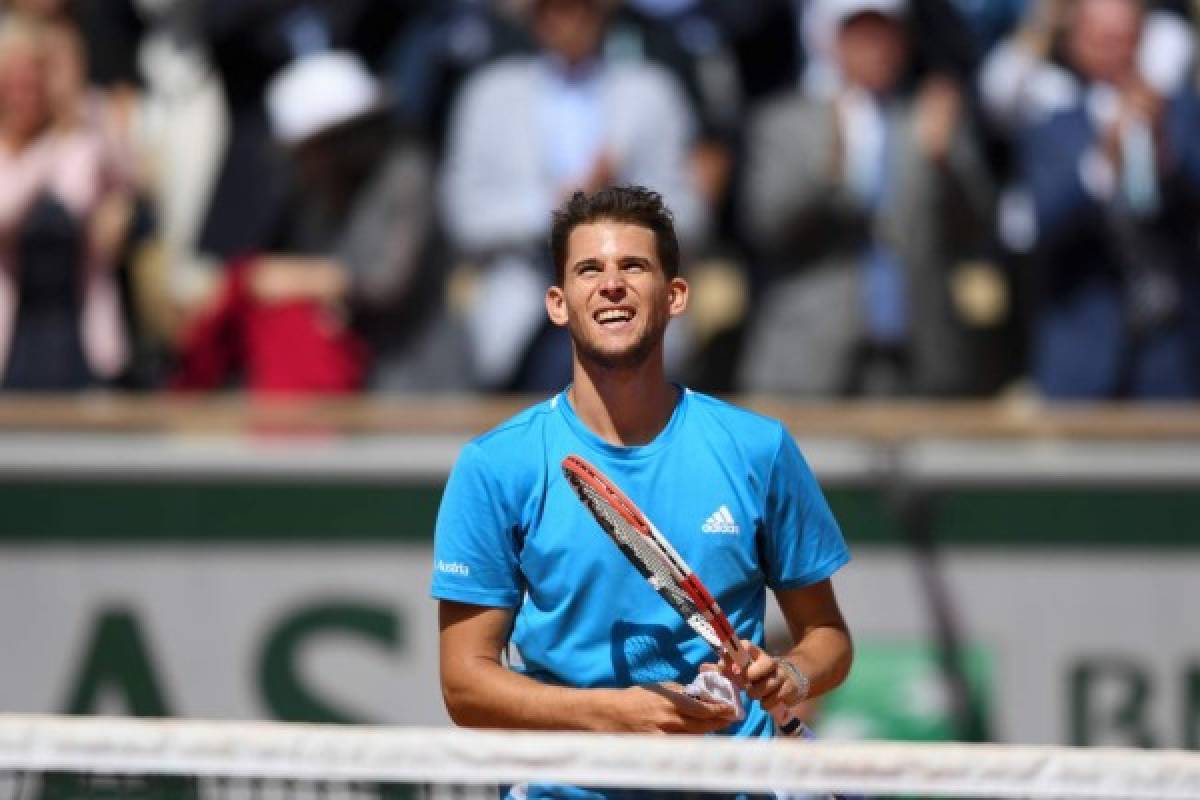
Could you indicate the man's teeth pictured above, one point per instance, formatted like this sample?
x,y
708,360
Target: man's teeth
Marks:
x,y
613,315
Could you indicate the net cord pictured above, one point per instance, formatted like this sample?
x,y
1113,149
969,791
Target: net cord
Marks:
x,y
122,746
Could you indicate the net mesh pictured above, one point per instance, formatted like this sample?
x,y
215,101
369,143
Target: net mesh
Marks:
x,y
45,757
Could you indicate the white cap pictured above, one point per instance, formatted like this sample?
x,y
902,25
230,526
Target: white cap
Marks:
x,y
320,91
838,11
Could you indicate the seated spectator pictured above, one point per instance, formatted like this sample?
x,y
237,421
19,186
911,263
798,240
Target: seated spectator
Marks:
x,y
348,292
1114,174
62,221
862,205
529,129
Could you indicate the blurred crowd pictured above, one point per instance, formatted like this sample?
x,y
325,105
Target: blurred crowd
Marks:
x,y
877,198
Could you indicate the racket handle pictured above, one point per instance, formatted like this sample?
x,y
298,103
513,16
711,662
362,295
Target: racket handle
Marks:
x,y
789,723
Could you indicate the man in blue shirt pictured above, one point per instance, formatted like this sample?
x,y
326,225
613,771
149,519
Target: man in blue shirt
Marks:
x,y
519,561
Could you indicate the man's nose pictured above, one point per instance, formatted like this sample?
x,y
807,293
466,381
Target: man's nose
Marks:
x,y
613,284
614,281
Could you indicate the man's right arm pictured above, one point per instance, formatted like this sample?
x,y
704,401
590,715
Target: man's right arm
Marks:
x,y
480,691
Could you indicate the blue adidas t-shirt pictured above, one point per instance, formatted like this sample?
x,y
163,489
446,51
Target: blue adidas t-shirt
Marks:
x,y
726,486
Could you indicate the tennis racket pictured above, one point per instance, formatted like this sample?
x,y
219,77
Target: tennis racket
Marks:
x,y
662,567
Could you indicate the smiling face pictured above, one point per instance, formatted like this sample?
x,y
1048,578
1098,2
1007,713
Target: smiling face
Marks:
x,y
615,298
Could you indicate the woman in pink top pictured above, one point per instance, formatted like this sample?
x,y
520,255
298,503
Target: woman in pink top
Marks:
x,y
60,318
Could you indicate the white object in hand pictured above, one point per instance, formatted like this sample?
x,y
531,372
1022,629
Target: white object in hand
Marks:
x,y
715,687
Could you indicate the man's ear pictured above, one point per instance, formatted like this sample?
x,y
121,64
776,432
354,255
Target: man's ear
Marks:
x,y
556,306
677,296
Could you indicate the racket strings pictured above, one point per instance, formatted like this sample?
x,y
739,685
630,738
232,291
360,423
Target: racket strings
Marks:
x,y
654,565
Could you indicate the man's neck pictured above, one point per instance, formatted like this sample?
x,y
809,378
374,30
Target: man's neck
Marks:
x,y
624,406
571,71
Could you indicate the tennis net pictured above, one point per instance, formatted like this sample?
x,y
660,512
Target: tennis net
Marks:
x,y
89,757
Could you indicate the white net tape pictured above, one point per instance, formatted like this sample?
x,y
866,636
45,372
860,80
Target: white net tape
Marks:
x,y
98,745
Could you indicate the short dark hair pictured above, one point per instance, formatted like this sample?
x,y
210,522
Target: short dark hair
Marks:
x,y
635,205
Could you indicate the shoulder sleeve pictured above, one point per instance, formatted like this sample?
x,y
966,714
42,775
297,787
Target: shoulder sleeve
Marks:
x,y
475,558
803,543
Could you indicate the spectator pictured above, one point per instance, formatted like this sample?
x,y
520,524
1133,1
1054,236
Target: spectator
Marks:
x,y
862,205
352,265
1022,79
249,42
1114,173
526,131
62,220
690,39
92,53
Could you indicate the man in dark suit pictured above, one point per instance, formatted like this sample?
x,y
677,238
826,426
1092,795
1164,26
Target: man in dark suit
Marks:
x,y
1114,173
862,204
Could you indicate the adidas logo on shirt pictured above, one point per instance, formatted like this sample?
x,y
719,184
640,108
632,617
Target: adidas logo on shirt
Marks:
x,y
720,521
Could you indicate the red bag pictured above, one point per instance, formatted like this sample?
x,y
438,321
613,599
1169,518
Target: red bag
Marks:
x,y
294,347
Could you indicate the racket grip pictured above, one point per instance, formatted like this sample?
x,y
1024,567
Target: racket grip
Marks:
x,y
787,720
789,723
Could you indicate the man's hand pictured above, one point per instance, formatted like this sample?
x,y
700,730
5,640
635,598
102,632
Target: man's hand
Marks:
x,y
665,708
1140,100
837,138
602,174
1138,104
108,227
938,110
763,677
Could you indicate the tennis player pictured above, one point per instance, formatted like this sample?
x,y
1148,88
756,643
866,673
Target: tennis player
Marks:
x,y
543,622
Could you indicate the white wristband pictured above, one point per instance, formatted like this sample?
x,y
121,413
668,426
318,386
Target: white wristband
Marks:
x,y
798,677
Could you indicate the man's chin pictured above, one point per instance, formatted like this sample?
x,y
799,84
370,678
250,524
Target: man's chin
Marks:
x,y
624,358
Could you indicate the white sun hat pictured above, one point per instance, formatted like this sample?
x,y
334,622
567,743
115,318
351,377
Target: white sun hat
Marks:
x,y
318,92
838,11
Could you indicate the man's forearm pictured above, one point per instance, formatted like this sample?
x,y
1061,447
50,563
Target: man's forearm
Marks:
x,y
823,655
491,696
494,697
822,649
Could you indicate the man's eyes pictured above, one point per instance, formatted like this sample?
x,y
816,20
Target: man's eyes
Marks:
x,y
627,266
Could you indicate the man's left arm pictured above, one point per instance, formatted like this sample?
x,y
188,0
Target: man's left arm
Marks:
x,y
802,547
